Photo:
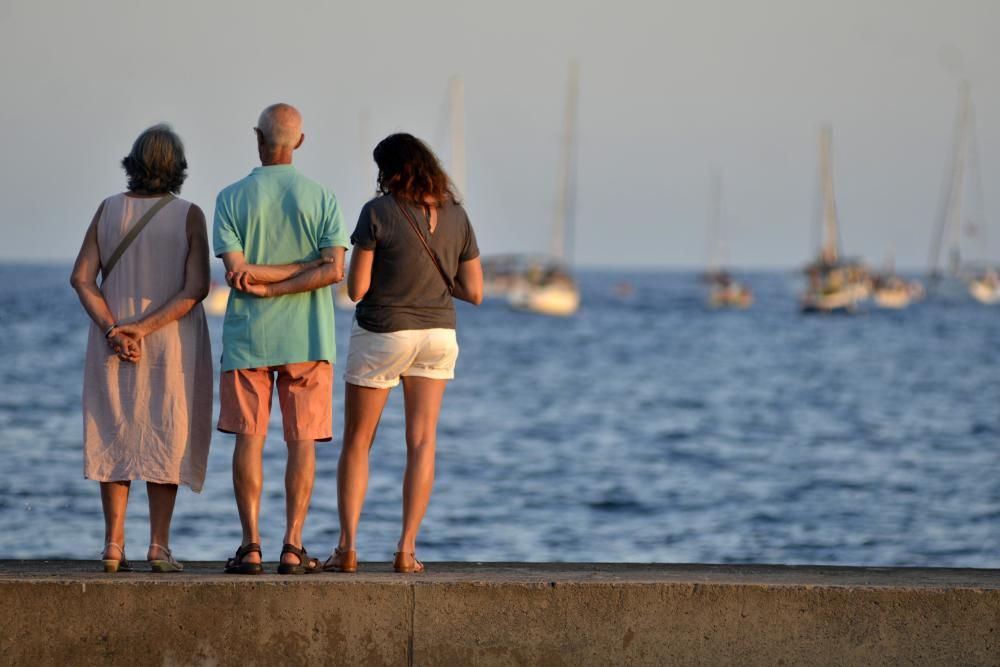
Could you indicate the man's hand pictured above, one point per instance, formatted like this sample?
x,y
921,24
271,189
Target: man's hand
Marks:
x,y
240,279
255,289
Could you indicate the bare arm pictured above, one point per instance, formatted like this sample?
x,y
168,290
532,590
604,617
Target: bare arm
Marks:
x,y
329,271
84,277
469,282
196,282
239,273
84,281
359,278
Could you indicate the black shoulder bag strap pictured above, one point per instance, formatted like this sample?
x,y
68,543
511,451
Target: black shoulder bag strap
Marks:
x,y
132,233
423,242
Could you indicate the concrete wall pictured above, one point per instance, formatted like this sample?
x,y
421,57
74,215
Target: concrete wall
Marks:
x,y
495,614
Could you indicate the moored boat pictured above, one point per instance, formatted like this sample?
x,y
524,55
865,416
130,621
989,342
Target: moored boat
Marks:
x,y
548,286
217,300
834,285
985,287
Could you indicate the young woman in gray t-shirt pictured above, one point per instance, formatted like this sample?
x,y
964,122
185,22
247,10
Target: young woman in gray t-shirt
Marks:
x,y
414,252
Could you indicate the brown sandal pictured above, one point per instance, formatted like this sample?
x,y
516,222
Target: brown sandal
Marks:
x,y
306,564
341,561
406,561
235,565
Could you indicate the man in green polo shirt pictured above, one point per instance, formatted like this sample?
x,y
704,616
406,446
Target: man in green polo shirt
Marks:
x,y
282,239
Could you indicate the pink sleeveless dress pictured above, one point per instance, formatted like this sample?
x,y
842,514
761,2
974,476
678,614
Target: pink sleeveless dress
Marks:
x,y
150,420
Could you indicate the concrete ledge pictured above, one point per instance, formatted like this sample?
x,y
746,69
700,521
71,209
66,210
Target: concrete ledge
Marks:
x,y
66,612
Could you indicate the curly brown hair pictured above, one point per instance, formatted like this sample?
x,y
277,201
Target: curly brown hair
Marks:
x,y
156,163
408,169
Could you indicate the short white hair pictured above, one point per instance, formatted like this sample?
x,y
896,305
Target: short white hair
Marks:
x,y
281,125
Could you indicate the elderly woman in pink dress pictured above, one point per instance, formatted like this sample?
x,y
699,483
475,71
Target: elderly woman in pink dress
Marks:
x,y
147,388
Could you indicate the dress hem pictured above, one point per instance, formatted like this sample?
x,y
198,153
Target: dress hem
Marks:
x,y
140,478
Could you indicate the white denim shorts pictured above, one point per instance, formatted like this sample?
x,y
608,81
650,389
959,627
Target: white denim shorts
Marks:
x,y
380,359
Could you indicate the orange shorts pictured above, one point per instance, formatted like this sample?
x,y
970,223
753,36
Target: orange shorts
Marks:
x,y
305,394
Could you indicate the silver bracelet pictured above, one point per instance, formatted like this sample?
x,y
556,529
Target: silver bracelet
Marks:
x,y
110,329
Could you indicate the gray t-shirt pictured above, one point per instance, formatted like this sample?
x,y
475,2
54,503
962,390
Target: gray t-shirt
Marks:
x,y
407,291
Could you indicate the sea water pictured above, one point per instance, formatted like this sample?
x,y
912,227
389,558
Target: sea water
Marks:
x,y
645,428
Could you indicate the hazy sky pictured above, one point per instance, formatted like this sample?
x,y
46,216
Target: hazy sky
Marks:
x,y
669,91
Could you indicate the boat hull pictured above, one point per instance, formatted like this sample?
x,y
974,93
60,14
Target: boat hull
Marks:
x,y
217,301
554,300
984,292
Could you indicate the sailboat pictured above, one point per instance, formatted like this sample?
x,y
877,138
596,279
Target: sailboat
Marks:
x,y
217,300
547,286
724,290
985,287
892,291
341,299
982,282
835,285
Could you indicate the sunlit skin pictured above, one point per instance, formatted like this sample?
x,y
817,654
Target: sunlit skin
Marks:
x,y
267,281
126,341
363,410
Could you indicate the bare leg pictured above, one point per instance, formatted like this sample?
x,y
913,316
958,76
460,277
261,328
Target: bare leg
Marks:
x,y
422,397
362,411
161,511
248,478
300,471
114,500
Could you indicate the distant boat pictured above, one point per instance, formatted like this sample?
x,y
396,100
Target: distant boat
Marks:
x,y
985,288
964,173
724,290
727,293
548,288
217,300
892,291
834,285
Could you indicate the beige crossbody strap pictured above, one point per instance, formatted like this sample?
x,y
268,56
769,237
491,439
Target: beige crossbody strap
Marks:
x,y
132,233
423,241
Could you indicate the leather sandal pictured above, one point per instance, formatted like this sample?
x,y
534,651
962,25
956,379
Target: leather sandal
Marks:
x,y
341,561
406,561
306,564
235,565
115,564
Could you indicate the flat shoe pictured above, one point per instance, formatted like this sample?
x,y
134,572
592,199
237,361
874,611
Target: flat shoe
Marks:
x,y
341,561
406,561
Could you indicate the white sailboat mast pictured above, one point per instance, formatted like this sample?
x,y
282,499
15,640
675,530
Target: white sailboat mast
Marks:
x,y
953,216
456,94
949,222
830,252
716,252
565,204
367,175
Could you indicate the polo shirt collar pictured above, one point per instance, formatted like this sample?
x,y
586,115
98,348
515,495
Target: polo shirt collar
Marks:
x,y
273,168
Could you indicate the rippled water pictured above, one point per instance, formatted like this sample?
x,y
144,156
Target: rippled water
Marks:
x,y
643,429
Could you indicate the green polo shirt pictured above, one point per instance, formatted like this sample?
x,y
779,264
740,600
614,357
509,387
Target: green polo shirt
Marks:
x,y
277,216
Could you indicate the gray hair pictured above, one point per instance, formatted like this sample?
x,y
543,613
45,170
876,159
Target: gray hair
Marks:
x,y
156,163
281,125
